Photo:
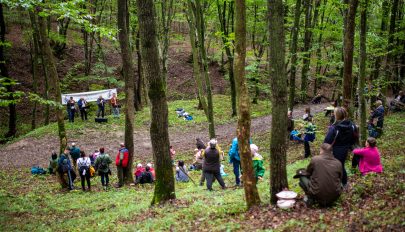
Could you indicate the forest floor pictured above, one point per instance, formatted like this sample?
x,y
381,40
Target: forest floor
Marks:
x,y
36,203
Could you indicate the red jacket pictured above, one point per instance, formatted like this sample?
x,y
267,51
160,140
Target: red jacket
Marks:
x,y
138,171
124,163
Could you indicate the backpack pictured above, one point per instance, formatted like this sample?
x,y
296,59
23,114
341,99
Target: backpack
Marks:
x,y
346,134
103,164
83,168
37,171
64,166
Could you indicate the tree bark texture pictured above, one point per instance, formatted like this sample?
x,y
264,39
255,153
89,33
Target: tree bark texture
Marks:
x,y
12,117
50,63
348,55
128,72
363,58
249,181
35,65
306,59
164,185
294,42
278,143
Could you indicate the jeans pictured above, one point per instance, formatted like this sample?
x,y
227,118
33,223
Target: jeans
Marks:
x,y
104,179
210,175
307,149
116,111
72,115
83,114
85,177
100,110
120,173
236,171
340,153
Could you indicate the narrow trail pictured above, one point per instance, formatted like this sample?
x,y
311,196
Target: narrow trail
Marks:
x,y
29,151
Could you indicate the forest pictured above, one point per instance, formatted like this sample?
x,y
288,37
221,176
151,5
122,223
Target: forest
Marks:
x,y
195,90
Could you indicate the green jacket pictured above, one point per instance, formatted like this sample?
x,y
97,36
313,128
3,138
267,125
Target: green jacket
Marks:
x,y
53,165
100,159
75,153
258,166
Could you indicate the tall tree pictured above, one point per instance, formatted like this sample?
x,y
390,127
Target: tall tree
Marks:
x,y
278,82
390,63
12,117
128,71
249,181
306,50
49,60
363,57
164,185
226,18
294,42
348,55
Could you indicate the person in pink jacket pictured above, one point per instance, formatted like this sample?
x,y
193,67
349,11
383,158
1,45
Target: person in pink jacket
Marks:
x,y
370,160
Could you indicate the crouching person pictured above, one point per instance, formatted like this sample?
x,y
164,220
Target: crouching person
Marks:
x,y
181,172
321,181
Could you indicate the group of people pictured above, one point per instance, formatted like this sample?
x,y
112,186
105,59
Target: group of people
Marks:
x,y
325,177
82,106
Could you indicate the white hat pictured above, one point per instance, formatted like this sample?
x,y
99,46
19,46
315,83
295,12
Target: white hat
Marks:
x,y
139,165
73,144
254,148
149,165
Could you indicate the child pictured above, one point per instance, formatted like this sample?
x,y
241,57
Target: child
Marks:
x,y
370,160
309,137
146,177
257,162
172,153
152,170
181,172
138,171
53,163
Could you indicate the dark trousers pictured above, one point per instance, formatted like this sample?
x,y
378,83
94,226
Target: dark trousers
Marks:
x,y
87,178
100,110
304,184
236,171
72,115
341,156
120,173
104,178
83,114
355,161
202,179
307,149
210,176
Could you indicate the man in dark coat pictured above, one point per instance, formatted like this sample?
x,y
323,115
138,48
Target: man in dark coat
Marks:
x,y
321,181
212,165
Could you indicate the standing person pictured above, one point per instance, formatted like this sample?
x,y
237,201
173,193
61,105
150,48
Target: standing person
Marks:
x,y
82,103
309,133
121,161
200,144
342,135
369,157
290,122
211,165
235,160
102,164
83,164
71,109
93,156
65,168
101,106
181,172
75,154
321,181
115,106
258,167
53,163
307,115
172,153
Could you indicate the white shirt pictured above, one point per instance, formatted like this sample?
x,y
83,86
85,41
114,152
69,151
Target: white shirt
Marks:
x,y
83,162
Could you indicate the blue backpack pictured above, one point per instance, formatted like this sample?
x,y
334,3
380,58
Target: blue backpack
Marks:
x,y
37,171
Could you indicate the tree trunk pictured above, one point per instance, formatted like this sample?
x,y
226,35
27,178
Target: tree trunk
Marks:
x,y
249,181
201,38
164,185
348,55
294,42
196,58
35,64
166,18
12,117
363,57
50,63
317,81
60,44
278,143
128,72
142,90
390,63
224,26
306,50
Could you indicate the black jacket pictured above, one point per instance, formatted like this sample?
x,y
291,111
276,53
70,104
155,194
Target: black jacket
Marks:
x,y
211,160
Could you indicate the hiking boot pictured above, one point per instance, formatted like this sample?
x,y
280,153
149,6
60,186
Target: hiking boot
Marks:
x,y
308,201
117,186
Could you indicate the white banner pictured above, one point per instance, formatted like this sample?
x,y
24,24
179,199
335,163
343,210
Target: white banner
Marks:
x,y
89,96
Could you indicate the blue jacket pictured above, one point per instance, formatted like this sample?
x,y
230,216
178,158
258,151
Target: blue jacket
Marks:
x,y
234,150
379,115
61,160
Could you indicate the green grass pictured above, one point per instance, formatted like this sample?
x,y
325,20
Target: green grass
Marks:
x,y
36,203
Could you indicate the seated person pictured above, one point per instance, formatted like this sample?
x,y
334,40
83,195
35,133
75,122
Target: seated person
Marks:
x,y
378,114
368,158
138,171
398,103
258,167
146,177
152,170
321,181
181,172
318,99
53,163
290,122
